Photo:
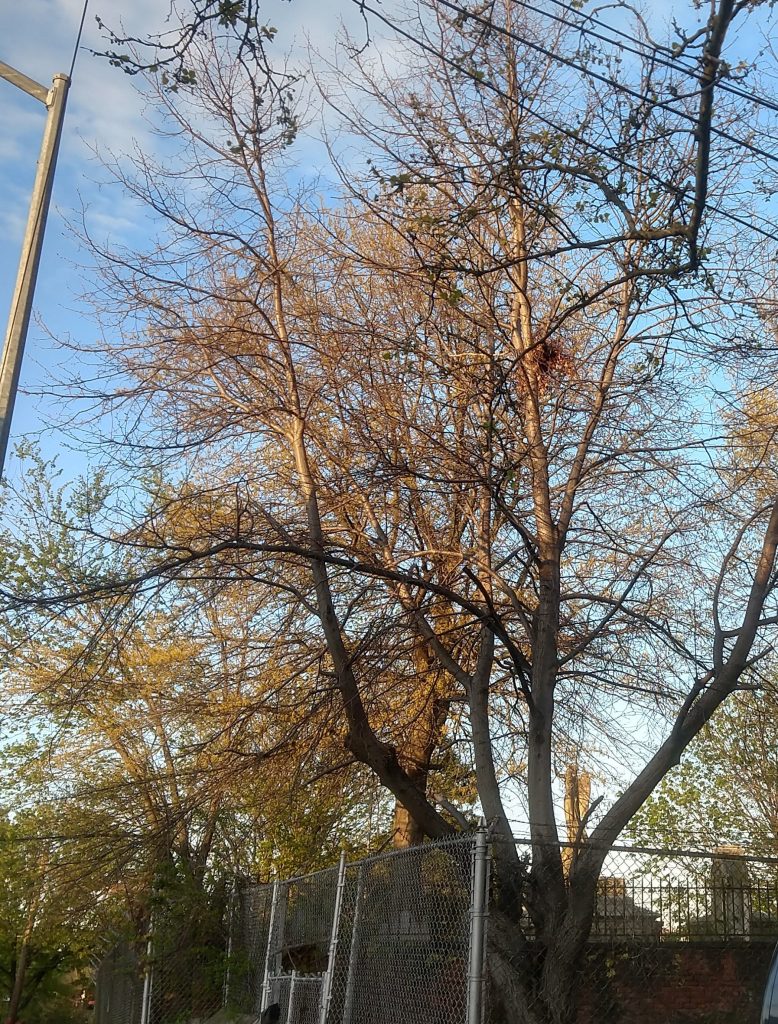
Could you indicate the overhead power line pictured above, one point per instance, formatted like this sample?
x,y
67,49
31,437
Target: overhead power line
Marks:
x,y
561,129
626,41
614,83
78,38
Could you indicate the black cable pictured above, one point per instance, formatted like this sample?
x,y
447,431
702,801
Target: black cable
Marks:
x,y
652,50
78,39
486,83
605,79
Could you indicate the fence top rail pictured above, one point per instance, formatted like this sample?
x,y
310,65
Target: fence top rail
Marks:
x,y
653,851
467,838
292,880
456,839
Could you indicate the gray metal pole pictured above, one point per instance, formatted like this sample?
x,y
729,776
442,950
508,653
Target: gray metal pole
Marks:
x,y
148,978
23,82
292,1006
21,304
270,951
230,925
353,955
326,988
478,915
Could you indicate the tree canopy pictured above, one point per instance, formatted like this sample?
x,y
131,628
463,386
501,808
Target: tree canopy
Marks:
x,y
725,791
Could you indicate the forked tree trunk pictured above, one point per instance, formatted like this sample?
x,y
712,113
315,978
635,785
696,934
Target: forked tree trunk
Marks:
x,y
418,750
535,973
530,981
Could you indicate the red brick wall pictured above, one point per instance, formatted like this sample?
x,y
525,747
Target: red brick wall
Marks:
x,y
684,983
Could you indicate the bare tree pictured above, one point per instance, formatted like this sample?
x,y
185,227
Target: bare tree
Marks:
x,y
468,423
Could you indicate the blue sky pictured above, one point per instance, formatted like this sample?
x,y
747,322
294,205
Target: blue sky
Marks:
x,y
105,113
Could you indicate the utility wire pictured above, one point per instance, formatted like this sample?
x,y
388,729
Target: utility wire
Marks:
x,y
569,133
78,39
652,50
605,79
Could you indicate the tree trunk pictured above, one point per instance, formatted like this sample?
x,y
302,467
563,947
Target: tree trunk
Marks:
x,y
405,831
20,974
416,757
535,977
532,982
23,959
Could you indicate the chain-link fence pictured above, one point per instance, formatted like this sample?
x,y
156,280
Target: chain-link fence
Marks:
x,y
119,986
173,975
248,927
400,938
185,971
395,938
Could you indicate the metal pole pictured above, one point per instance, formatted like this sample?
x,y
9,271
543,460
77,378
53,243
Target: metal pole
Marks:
x,y
21,304
21,81
145,1006
291,1007
348,1002
230,925
265,994
478,915
326,988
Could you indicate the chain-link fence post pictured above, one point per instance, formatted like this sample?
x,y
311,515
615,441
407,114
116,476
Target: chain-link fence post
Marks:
x,y
230,929
292,999
148,977
265,996
478,915
326,988
348,999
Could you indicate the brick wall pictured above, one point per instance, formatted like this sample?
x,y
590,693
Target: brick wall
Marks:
x,y
689,983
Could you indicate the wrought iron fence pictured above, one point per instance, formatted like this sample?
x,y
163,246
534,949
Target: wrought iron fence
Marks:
x,y
681,896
